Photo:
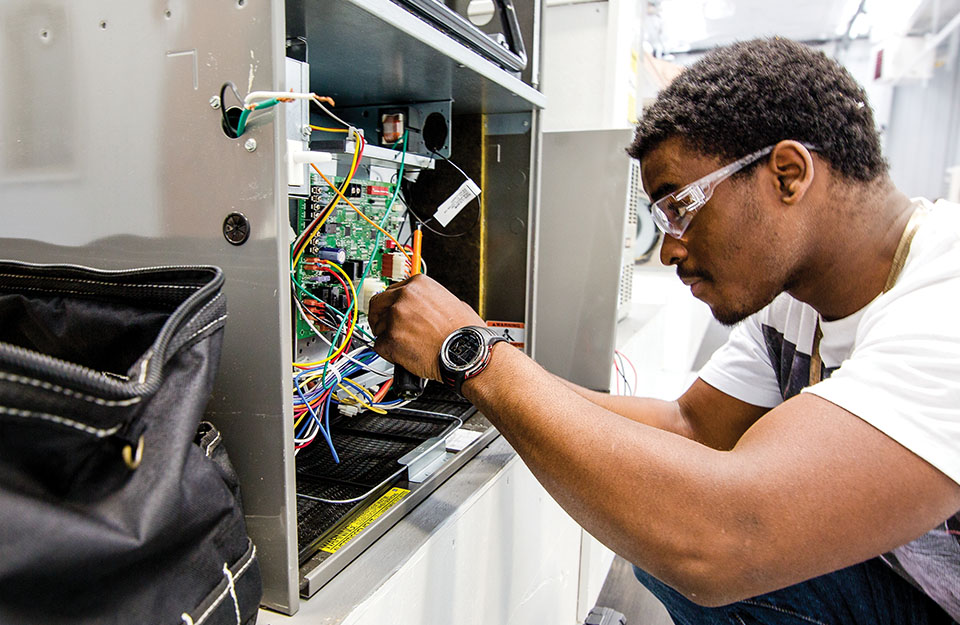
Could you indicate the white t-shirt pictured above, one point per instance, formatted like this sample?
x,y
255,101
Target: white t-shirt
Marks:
x,y
895,364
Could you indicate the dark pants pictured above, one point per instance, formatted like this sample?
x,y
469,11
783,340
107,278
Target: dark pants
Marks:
x,y
863,594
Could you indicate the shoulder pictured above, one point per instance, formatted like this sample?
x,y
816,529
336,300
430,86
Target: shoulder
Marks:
x,y
928,286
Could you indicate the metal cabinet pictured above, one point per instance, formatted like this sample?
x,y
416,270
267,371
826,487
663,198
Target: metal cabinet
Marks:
x,y
112,155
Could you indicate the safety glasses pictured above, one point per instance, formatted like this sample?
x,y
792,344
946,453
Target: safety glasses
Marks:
x,y
673,213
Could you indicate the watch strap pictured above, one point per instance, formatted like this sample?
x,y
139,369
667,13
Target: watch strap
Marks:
x,y
456,379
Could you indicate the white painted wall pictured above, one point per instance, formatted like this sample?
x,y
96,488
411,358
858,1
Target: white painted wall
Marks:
x,y
589,75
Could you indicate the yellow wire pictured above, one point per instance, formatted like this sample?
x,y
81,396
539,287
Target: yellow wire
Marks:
x,y
312,127
346,339
360,401
313,233
359,212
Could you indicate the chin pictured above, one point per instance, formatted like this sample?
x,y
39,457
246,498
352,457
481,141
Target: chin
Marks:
x,y
728,317
730,308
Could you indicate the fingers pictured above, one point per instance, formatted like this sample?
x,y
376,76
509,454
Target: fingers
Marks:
x,y
379,307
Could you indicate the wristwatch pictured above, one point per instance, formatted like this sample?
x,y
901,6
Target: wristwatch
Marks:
x,y
465,353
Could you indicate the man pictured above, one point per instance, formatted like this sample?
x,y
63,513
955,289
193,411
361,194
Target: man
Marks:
x,y
832,505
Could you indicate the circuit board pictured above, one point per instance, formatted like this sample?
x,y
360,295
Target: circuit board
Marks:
x,y
345,238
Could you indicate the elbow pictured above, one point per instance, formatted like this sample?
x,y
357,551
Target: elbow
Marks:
x,y
713,575
705,584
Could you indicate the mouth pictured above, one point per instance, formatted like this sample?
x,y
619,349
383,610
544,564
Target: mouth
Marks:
x,y
696,283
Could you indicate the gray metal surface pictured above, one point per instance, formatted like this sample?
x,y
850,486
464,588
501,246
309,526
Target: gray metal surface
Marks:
x,y
338,598
375,48
320,569
507,197
581,230
112,155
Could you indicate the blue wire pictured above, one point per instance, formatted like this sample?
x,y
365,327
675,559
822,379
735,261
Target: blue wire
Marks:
x,y
313,415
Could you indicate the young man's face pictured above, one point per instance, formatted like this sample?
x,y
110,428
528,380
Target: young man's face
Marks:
x,y
731,254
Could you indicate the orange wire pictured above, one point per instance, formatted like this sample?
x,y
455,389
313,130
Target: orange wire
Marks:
x,y
359,212
417,245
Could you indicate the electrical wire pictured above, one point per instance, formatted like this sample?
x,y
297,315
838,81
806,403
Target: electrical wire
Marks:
x,y
353,303
303,240
316,381
223,105
319,102
387,481
425,222
359,212
636,378
359,401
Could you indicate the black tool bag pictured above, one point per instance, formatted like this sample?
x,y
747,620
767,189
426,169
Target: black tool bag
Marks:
x,y
116,504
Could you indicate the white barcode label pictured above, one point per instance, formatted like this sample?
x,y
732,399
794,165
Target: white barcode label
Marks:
x,y
452,206
460,439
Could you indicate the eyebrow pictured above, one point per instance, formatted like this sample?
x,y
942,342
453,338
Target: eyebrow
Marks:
x,y
663,190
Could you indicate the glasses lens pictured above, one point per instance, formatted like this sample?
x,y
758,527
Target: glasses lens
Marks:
x,y
672,214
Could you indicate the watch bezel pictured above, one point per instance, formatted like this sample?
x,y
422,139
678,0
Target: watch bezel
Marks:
x,y
474,361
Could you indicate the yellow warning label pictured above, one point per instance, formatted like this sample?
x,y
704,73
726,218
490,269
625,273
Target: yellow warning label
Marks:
x,y
368,516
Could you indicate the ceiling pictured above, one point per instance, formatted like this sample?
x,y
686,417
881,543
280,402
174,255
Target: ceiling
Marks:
x,y
684,25
675,26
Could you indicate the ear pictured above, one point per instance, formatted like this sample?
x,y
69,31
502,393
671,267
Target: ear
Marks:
x,y
792,165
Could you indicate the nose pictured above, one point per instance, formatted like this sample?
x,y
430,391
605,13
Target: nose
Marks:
x,y
672,251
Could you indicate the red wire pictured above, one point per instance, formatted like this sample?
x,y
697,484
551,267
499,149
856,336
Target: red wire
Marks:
x,y
617,377
346,289
383,391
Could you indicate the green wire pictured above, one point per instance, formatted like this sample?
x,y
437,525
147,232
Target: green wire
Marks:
x,y
359,285
242,122
376,245
306,292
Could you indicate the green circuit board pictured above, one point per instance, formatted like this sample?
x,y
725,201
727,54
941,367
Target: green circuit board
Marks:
x,y
343,230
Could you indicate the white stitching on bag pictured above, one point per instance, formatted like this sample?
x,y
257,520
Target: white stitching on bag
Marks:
x,y
81,281
205,328
19,379
222,595
233,591
83,427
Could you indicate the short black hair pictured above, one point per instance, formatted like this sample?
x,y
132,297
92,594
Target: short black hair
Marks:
x,y
743,97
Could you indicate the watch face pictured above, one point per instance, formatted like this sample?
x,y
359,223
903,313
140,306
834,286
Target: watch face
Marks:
x,y
463,350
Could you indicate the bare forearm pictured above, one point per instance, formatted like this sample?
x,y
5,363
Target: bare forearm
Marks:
x,y
784,504
652,513
663,415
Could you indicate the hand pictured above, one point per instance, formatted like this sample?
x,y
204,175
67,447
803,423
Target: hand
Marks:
x,y
412,318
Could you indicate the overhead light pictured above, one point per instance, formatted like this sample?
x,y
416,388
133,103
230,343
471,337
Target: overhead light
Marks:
x,y
891,18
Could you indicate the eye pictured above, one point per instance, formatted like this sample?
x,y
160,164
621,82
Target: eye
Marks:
x,y
674,207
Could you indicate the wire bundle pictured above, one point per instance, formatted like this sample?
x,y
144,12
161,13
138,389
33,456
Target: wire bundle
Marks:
x,y
321,383
316,388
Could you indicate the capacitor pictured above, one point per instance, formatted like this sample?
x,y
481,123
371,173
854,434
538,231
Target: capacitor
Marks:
x,y
333,254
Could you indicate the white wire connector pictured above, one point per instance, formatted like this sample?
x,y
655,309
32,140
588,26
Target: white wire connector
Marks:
x,y
270,95
349,410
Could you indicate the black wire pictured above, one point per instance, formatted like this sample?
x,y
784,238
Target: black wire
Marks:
x,y
223,105
424,222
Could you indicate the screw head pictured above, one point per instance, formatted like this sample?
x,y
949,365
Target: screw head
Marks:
x,y
215,102
250,144
305,132
236,228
